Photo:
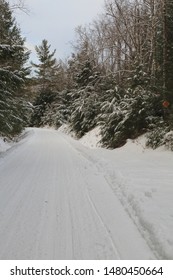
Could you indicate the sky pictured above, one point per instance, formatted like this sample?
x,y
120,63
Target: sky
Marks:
x,y
56,20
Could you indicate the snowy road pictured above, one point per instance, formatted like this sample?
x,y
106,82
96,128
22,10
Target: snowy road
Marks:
x,y
56,204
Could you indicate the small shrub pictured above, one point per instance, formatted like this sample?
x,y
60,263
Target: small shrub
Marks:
x,y
128,115
168,140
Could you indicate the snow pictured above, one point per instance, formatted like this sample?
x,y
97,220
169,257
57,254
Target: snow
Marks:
x,y
66,129
92,138
62,200
142,179
4,144
168,140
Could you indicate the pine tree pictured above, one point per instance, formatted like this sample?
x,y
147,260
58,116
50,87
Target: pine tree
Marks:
x,y
47,69
13,72
84,77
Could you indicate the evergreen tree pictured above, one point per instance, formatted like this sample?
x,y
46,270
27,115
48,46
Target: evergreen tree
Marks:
x,y
84,77
128,114
42,102
84,67
13,72
47,69
50,80
120,77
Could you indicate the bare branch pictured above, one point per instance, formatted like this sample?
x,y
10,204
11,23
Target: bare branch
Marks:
x,y
20,5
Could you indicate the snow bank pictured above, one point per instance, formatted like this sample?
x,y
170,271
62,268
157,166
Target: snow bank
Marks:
x,y
4,144
66,129
142,179
92,138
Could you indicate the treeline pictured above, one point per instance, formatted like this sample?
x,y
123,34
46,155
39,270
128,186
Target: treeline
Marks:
x,y
119,77
13,74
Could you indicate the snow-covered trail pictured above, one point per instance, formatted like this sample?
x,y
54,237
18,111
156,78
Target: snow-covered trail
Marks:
x,y
56,204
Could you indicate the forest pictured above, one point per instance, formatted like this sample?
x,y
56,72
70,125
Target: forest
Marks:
x,y
119,76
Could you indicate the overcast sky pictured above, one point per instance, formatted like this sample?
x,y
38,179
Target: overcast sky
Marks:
x,y
55,20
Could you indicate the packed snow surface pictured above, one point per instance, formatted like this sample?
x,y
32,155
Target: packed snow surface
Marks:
x,y
62,200
4,144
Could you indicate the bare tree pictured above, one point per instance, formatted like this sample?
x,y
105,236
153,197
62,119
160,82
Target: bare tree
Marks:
x,y
19,5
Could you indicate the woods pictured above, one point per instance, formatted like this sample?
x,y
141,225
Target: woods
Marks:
x,y
119,76
13,73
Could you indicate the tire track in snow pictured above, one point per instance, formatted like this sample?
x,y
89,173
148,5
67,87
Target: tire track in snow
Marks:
x,y
116,186
116,251
86,153
81,218
132,208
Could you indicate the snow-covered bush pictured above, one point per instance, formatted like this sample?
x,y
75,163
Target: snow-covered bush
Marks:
x,y
84,110
43,101
155,138
161,135
168,140
51,108
127,115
